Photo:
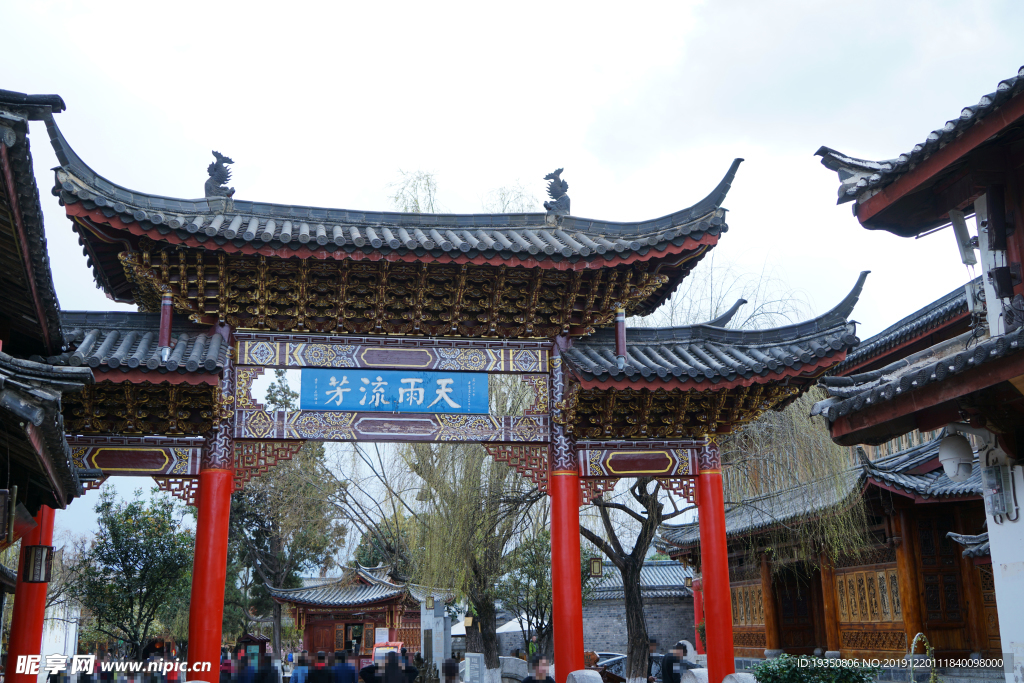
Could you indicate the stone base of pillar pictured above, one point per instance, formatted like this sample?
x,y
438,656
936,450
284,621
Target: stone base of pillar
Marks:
x,y
772,654
833,654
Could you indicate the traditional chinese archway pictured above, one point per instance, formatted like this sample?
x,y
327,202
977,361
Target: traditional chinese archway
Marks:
x,y
385,312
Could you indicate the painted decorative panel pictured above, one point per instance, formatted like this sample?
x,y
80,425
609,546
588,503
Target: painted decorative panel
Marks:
x,y
391,353
330,425
632,459
868,595
137,456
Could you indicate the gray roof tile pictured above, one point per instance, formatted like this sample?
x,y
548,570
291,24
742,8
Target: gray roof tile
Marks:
x,y
711,353
508,235
658,579
974,546
114,341
853,393
915,325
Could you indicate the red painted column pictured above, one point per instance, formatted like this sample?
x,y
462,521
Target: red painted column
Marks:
x,y
166,311
698,614
714,565
564,488
566,587
209,570
29,603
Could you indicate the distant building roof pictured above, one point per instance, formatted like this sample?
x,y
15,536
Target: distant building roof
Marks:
x,y
913,472
658,579
356,586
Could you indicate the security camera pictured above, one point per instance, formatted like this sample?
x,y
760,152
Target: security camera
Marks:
x,y
956,456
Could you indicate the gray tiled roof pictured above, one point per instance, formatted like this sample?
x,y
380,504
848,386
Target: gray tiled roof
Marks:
x,y
658,579
914,325
895,471
860,176
8,579
30,394
772,509
356,586
240,222
19,109
974,546
709,353
854,393
115,341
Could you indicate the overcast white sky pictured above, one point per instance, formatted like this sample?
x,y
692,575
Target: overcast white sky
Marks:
x,y
643,105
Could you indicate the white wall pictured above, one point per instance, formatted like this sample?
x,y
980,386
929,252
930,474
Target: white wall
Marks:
x,y
441,648
1007,546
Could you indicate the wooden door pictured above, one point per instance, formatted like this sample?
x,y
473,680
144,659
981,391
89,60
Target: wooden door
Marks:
x,y
988,606
323,639
940,571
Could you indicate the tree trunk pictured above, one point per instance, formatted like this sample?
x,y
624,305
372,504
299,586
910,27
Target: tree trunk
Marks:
x,y
636,624
277,629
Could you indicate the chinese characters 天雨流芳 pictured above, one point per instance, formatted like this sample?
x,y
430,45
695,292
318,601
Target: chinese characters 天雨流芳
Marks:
x,y
338,392
444,391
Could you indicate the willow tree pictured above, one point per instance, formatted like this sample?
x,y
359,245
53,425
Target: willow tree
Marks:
x,y
786,461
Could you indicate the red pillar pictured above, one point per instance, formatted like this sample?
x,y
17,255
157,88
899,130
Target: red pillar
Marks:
x,y
698,614
209,570
29,603
566,588
714,566
564,488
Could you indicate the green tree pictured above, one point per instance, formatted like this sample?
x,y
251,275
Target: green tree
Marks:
x,y
526,589
138,562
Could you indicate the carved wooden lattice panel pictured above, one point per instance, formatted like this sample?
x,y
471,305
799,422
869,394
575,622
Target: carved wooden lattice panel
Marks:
x,y
869,595
683,488
874,640
529,461
186,490
254,292
253,458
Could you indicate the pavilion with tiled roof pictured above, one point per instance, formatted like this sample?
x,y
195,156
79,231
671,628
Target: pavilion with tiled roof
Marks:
x,y
343,612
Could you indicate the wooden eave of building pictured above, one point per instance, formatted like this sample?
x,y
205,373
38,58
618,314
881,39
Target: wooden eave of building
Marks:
x,y
112,220
39,461
929,392
937,322
914,192
29,322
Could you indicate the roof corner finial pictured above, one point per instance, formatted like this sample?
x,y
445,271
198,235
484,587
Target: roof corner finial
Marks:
x,y
220,174
556,190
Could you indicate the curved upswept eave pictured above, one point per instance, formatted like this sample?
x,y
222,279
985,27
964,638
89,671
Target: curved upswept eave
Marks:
x,y
129,202
706,355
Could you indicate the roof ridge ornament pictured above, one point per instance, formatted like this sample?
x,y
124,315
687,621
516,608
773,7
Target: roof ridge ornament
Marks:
x,y
557,191
220,175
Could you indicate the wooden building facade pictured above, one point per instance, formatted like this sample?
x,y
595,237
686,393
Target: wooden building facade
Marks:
x,y
913,578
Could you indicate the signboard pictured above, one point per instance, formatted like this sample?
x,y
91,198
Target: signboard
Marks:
x,y
380,636
394,391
